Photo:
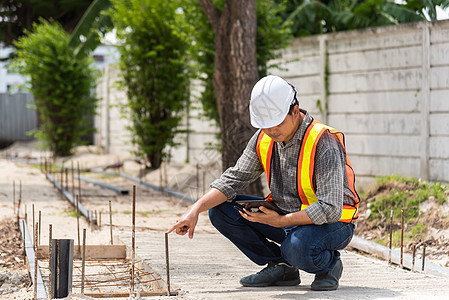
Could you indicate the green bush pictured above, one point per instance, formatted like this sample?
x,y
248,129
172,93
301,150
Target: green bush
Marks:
x,y
154,66
60,83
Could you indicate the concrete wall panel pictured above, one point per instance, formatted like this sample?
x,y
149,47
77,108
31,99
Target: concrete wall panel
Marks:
x,y
384,166
408,79
439,169
439,77
308,85
371,39
438,147
439,54
405,124
384,145
405,57
439,124
439,101
299,67
393,101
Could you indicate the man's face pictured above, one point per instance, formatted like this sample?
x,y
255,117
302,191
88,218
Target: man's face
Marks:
x,y
286,130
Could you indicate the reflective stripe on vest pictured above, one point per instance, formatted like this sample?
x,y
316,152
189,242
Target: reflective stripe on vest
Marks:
x,y
306,164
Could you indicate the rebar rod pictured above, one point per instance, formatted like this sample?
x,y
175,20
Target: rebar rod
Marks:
x,y
83,271
167,264
110,221
78,224
423,256
402,237
133,238
35,261
391,235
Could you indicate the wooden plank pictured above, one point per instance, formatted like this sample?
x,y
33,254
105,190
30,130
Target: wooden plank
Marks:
x,y
439,54
439,124
395,123
407,79
439,77
395,101
95,251
439,101
385,145
404,57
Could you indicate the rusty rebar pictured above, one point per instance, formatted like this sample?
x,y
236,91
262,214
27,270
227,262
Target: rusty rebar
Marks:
x,y
423,256
78,224
99,220
35,260
402,237
83,266
50,233
14,196
110,221
391,235
133,238
79,181
67,179
34,228
167,264
413,257
73,179
40,222
62,182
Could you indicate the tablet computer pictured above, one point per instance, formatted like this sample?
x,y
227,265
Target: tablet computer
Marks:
x,y
253,205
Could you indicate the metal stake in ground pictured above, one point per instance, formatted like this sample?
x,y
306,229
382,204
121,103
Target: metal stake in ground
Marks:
x,y
73,179
83,265
413,259
40,222
133,238
50,233
167,264
35,261
79,181
423,256
14,195
402,237
34,228
391,235
110,221
78,224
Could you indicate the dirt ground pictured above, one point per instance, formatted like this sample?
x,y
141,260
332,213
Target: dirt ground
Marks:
x,y
154,211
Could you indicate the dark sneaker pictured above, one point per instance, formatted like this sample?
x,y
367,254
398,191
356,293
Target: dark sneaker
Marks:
x,y
273,274
328,281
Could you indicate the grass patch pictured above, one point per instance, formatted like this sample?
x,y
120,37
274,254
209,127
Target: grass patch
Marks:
x,y
71,213
399,192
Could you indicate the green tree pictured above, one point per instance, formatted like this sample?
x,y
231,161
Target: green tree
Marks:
x,y
272,34
60,83
315,17
19,15
154,43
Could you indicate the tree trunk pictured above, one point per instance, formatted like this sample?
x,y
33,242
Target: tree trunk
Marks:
x,y
234,76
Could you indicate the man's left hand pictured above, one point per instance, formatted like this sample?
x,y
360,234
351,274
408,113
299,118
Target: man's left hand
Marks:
x,y
264,216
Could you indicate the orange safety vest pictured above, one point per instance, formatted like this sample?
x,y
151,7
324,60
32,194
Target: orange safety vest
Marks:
x,y
306,163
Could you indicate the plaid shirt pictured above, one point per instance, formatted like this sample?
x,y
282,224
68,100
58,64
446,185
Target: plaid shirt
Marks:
x,y
330,179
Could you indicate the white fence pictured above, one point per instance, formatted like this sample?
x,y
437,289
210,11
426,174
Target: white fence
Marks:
x,y
387,89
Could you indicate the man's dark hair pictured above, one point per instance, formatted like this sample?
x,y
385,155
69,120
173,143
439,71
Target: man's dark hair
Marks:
x,y
292,106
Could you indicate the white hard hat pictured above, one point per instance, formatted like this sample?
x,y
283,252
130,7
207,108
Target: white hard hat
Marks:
x,y
270,101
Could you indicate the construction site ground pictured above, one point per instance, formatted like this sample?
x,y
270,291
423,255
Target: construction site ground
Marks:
x,y
206,267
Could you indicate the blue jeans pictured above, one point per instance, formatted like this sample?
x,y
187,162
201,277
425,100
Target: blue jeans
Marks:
x,y
311,248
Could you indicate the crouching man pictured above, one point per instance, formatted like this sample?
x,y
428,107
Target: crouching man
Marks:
x,y
310,178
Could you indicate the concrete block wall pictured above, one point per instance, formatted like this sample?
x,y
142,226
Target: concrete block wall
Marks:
x,y
386,88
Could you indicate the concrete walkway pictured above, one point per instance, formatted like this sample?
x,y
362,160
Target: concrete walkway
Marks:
x,y
209,267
